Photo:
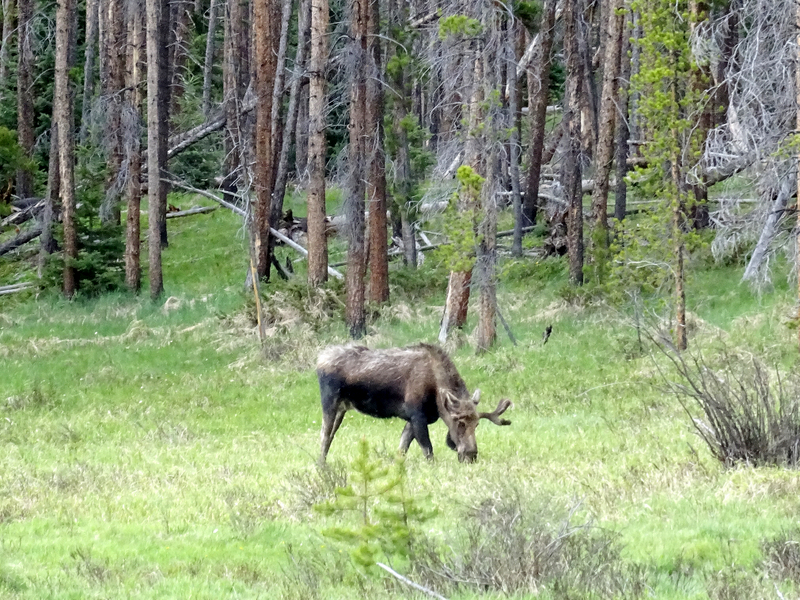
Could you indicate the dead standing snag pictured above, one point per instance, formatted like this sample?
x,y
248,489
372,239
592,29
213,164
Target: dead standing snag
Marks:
x,y
419,384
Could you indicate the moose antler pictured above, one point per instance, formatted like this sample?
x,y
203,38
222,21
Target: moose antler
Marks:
x,y
494,416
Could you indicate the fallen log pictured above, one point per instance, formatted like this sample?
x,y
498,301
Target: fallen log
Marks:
x,y
22,215
21,239
191,211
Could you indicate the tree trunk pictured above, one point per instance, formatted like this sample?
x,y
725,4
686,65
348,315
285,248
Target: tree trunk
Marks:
x,y
136,49
155,140
537,113
290,125
9,12
113,86
235,77
277,125
92,25
572,161
487,259
458,287
376,188
302,132
604,150
266,16
208,64
513,110
317,242
354,200
165,98
623,134
698,13
797,96
63,117
47,243
179,52
25,114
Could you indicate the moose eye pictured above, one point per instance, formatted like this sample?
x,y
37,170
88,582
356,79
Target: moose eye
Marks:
x,y
462,427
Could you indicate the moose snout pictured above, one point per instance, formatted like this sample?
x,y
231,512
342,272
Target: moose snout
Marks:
x,y
468,456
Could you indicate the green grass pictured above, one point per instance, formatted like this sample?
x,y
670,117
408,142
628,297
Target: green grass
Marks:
x,y
150,450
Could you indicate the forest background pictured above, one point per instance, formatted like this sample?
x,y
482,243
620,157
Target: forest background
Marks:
x,y
633,154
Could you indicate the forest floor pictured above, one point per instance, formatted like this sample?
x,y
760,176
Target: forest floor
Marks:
x,y
158,450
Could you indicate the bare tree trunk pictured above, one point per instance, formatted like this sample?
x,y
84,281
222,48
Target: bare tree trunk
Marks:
x,y
235,78
265,28
179,52
208,64
47,241
487,259
92,16
572,162
155,140
292,110
376,188
9,13
63,117
25,114
698,11
137,45
317,242
513,110
302,132
797,95
458,287
537,113
354,201
277,124
112,13
165,98
623,133
604,150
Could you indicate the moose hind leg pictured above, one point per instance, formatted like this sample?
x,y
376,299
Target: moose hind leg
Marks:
x,y
331,421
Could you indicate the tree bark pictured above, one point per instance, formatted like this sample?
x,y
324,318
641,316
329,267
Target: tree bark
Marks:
x,y
155,140
179,52
537,113
136,50
376,188
355,314
604,152
63,118
25,113
514,120
165,98
266,17
572,161
235,74
90,51
623,134
208,63
113,86
290,125
47,243
9,13
317,242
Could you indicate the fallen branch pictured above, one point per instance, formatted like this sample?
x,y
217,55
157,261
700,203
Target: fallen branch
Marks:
x,y
191,211
13,289
408,582
21,215
22,239
292,244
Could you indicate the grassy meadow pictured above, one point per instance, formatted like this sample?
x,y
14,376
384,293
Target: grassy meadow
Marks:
x,y
157,450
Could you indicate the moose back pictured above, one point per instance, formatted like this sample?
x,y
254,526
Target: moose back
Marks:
x,y
418,384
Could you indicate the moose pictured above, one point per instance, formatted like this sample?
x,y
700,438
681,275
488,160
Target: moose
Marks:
x,y
419,384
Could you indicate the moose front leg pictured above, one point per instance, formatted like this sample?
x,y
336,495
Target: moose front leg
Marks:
x,y
419,428
406,438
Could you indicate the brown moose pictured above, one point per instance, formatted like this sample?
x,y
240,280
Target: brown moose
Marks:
x,y
419,384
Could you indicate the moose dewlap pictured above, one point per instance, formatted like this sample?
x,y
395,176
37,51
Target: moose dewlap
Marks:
x,y
418,384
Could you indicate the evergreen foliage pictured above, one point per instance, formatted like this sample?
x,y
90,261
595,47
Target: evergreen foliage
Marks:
x,y
386,516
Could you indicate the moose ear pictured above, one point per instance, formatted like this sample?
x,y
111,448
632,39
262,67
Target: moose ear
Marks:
x,y
451,405
476,397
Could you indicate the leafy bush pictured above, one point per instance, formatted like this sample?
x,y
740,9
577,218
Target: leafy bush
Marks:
x,y
12,159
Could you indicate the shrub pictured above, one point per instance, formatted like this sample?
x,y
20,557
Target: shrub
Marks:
x,y
750,417
509,548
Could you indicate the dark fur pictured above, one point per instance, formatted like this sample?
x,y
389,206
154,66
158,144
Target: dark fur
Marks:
x,y
418,384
